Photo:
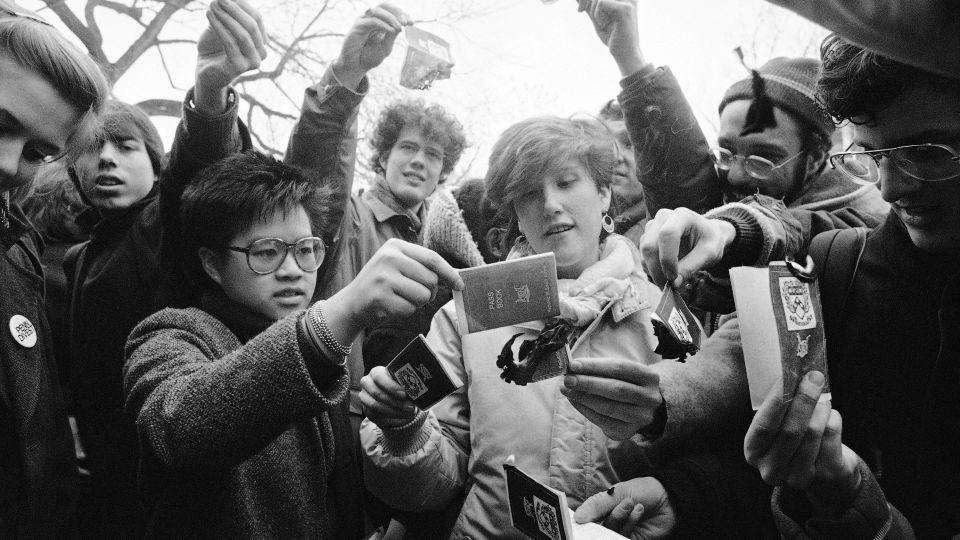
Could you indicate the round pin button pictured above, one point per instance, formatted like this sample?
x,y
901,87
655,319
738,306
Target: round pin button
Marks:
x,y
23,331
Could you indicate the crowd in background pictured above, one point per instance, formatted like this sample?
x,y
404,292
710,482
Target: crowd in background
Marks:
x,y
196,341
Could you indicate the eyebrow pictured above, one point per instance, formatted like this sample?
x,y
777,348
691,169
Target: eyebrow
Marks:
x,y
754,146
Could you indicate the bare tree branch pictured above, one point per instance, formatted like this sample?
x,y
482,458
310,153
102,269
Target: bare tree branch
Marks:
x,y
147,39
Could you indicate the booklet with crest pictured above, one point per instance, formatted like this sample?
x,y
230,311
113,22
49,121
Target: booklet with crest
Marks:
x,y
541,512
425,378
781,328
507,293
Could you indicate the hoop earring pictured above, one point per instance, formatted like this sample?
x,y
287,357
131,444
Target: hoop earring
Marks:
x,y
607,223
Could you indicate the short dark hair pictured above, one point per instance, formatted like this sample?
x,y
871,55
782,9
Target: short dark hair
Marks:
x,y
228,197
856,83
436,124
121,121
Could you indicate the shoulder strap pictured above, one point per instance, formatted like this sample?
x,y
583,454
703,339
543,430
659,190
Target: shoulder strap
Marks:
x,y
836,255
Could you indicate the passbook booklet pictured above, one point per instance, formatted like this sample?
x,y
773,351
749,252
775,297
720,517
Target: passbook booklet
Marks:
x,y
507,293
781,328
541,512
425,379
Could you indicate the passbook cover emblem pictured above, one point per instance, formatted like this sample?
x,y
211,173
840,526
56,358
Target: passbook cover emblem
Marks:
x,y
507,293
425,379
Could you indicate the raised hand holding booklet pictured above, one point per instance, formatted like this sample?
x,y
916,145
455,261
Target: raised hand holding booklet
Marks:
x,y
541,512
425,379
781,328
507,293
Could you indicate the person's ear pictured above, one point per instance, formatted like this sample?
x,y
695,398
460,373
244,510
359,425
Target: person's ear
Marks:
x,y
382,160
210,262
813,162
494,241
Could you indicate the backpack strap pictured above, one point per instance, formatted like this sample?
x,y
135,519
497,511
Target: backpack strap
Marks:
x,y
836,255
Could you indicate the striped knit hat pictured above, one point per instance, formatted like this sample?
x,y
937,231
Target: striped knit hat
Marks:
x,y
788,83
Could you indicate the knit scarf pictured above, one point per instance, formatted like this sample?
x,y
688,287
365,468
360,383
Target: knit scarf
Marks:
x,y
381,190
616,277
242,321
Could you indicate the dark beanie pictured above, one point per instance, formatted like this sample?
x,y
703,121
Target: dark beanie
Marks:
x,y
790,84
124,121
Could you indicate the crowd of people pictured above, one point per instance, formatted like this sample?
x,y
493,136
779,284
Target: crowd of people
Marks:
x,y
197,339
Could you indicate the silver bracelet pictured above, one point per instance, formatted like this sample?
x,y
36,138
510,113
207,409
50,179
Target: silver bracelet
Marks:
x,y
326,336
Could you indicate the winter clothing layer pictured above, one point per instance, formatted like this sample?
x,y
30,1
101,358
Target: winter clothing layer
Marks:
x,y
325,140
461,443
241,439
924,33
39,471
789,83
114,281
894,372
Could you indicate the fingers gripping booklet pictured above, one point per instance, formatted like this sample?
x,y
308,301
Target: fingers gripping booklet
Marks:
x,y
541,512
781,327
507,293
424,377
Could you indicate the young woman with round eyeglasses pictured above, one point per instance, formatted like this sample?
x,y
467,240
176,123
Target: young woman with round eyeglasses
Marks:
x,y
240,403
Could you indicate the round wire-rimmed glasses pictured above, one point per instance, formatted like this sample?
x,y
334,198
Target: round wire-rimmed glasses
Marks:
x,y
755,166
929,162
265,255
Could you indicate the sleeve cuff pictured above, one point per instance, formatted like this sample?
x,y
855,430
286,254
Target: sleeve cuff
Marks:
x,y
324,371
330,84
409,438
214,137
868,515
748,248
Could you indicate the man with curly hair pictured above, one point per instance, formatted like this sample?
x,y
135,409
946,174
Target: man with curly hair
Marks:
x,y
415,147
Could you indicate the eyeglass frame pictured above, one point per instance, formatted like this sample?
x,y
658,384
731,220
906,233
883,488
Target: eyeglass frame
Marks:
x,y
289,247
885,153
742,159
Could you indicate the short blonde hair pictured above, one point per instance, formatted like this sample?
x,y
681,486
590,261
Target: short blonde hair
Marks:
x,y
41,48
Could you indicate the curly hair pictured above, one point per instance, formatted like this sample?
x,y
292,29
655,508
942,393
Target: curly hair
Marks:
x,y
856,83
436,124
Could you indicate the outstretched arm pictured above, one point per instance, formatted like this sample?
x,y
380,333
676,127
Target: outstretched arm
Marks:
x,y
209,129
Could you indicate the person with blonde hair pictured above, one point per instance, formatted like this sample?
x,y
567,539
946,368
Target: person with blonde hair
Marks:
x,y
50,95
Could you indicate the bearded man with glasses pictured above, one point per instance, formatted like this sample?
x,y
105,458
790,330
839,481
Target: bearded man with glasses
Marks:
x,y
892,324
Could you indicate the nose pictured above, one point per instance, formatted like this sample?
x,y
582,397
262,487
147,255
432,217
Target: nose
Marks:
x,y
894,184
289,269
552,199
738,178
108,155
418,161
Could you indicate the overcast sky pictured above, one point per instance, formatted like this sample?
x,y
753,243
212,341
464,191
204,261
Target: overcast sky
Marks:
x,y
525,58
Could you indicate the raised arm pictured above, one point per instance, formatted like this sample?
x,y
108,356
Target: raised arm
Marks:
x,y
673,157
209,129
324,139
